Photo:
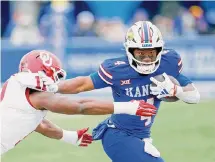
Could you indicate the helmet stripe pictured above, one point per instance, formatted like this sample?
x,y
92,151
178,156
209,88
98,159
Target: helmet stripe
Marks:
x,y
146,33
150,35
142,35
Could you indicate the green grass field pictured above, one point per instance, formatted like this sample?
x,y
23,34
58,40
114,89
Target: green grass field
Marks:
x,y
182,133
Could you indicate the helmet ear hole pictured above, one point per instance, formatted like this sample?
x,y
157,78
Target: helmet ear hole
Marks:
x,y
131,50
158,49
60,76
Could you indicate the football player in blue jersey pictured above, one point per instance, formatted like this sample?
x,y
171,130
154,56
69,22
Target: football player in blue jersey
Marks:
x,y
126,138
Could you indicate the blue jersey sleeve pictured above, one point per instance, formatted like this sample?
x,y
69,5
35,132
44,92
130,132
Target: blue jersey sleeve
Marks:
x,y
171,63
183,80
102,78
179,65
176,63
97,81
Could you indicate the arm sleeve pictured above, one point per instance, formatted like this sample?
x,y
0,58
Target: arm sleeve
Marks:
x,y
180,65
175,67
173,63
177,61
183,80
97,81
102,78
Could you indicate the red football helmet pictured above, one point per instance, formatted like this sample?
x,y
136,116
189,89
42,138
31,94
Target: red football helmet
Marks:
x,y
42,60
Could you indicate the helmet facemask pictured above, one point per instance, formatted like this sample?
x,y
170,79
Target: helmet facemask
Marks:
x,y
55,73
59,74
144,67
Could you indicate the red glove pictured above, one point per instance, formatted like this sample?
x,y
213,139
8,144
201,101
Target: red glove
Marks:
x,y
84,138
145,109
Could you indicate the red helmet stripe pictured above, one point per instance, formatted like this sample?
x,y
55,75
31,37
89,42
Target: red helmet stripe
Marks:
x,y
150,34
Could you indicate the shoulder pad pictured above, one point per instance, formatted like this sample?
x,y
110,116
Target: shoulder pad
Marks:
x,y
114,63
112,68
171,62
29,80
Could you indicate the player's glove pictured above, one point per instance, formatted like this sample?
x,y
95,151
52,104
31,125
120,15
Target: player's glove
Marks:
x,y
49,84
165,88
145,109
84,139
78,138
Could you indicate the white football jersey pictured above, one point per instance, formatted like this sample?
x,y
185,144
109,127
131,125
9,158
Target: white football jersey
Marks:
x,y
18,117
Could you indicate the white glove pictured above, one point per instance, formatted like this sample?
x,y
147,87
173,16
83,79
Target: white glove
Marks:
x,y
166,88
50,85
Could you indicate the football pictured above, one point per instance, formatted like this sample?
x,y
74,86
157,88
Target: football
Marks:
x,y
161,78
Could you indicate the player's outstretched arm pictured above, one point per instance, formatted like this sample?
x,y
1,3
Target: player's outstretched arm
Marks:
x,y
50,130
69,86
65,105
75,85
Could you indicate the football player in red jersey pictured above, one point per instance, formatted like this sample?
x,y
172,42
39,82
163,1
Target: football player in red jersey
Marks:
x,y
24,104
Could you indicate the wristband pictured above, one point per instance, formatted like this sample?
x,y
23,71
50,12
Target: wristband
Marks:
x,y
70,137
126,107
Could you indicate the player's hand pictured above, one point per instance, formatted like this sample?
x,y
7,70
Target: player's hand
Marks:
x,y
77,138
84,139
49,84
163,89
145,109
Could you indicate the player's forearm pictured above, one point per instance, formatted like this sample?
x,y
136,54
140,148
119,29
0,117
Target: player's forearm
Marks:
x,y
91,107
96,107
64,105
75,85
70,86
188,88
188,94
50,130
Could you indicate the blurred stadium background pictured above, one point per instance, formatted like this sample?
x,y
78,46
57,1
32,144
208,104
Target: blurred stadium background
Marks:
x,y
83,34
